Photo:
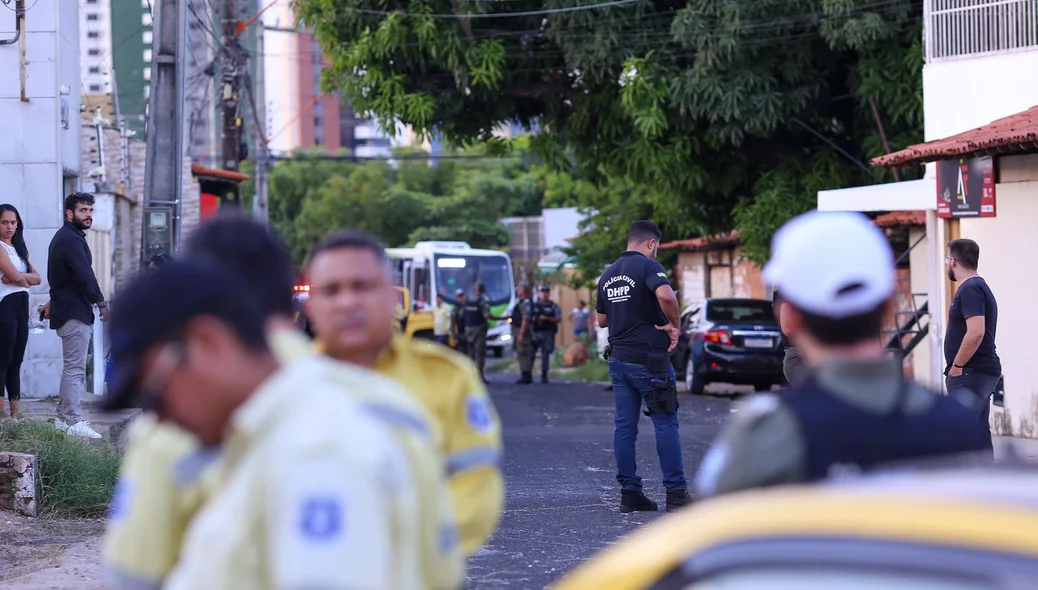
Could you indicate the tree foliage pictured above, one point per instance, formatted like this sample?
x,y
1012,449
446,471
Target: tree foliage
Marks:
x,y
702,114
409,200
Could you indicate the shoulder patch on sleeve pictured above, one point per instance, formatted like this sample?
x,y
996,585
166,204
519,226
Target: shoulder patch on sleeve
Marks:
x,y
661,275
321,518
478,414
122,498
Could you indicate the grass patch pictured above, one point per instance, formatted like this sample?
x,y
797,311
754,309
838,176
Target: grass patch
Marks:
x,y
595,370
507,364
76,477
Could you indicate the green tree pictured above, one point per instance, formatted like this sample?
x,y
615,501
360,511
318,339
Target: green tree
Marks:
x,y
712,107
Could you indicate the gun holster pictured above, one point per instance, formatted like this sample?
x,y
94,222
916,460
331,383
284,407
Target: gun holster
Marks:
x,y
663,393
607,352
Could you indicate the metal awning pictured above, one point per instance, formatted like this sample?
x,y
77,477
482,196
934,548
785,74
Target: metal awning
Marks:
x,y
909,195
554,260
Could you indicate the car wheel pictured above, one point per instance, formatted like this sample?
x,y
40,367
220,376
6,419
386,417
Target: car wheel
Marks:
x,y
499,352
693,383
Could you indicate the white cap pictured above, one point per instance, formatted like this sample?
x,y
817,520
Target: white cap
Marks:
x,y
832,264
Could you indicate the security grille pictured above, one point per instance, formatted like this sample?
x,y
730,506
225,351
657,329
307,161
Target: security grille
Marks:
x,y
959,28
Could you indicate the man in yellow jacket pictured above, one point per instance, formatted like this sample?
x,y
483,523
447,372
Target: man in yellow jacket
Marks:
x,y
350,282
166,475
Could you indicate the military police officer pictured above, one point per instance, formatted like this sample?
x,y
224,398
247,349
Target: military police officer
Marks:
x,y
458,322
522,333
476,317
854,410
546,318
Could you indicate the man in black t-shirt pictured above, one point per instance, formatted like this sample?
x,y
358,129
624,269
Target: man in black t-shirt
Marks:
x,y
973,367
636,302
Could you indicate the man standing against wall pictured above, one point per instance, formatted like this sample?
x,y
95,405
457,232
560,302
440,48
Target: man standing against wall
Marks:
x,y
636,302
73,294
973,366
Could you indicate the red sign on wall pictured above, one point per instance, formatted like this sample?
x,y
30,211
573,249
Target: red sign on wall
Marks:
x,y
966,187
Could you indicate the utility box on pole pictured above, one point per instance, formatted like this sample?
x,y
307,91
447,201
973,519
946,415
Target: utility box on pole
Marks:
x,y
163,171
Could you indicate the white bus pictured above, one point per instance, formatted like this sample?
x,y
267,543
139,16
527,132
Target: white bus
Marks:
x,y
431,268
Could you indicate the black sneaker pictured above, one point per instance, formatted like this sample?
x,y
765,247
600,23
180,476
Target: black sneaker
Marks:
x,y
677,499
636,502
544,377
526,379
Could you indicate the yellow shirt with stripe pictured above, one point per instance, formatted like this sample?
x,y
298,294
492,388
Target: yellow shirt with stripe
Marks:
x,y
453,391
165,478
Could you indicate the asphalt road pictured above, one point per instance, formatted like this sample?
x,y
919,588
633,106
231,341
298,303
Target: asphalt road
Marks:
x,y
561,491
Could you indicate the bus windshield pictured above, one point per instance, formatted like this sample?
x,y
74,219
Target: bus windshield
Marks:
x,y
456,271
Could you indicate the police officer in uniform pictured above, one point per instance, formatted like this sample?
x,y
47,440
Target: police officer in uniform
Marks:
x,y
636,302
313,491
477,318
854,410
522,333
458,322
546,318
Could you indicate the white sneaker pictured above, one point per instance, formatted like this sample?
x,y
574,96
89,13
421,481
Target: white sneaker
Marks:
x,y
83,429
60,424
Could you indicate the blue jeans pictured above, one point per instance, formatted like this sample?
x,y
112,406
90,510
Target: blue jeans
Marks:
x,y
631,386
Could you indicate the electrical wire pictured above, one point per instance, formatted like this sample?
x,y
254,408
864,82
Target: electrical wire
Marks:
x,y
501,14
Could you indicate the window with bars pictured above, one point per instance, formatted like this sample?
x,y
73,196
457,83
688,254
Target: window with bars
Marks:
x,y
959,28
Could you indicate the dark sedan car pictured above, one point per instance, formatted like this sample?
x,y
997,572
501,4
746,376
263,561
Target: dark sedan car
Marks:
x,y
735,341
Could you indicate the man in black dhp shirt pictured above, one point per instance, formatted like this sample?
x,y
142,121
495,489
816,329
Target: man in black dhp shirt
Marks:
x,y
973,366
637,304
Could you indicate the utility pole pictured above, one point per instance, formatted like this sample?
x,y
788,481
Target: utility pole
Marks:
x,y
164,160
230,86
260,208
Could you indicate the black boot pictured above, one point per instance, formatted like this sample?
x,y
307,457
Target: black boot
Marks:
x,y
544,376
631,501
677,499
526,379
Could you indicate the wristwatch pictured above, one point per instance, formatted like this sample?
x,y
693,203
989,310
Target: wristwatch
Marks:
x,y
958,366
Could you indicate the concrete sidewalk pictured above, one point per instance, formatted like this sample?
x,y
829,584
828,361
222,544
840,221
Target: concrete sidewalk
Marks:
x,y
109,425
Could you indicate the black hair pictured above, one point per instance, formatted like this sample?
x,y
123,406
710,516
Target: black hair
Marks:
x,y
252,252
78,198
18,241
643,231
350,239
966,252
845,331
161,259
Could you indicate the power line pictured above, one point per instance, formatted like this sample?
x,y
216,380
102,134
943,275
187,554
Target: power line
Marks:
x,y
499,15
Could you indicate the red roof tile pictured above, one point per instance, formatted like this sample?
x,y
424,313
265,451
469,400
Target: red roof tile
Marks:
x,y
1013,134
199,170
715,241
900,218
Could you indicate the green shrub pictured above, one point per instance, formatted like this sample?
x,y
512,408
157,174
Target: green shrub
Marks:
x,y
76,476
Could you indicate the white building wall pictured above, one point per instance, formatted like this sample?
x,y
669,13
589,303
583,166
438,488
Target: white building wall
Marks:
x,y
95,38
39,156
281,79
1003,241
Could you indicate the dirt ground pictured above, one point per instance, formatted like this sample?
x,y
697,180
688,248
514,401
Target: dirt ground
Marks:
x,y
46,554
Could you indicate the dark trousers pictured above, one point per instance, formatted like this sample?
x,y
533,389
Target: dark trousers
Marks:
x,y
545,342
974,391
14,333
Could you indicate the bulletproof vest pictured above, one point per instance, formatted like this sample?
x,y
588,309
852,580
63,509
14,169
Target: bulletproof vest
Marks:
x,y
547,310
473,314
517,313
839,435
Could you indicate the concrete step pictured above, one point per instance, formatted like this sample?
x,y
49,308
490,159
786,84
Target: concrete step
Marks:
x,y
110,425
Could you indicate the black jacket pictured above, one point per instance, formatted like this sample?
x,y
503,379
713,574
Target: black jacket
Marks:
x,y
73,286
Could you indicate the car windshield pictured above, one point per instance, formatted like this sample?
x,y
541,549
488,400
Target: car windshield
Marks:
x,y
746,310
455,272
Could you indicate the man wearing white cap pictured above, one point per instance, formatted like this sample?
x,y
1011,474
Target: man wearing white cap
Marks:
x,y
854,410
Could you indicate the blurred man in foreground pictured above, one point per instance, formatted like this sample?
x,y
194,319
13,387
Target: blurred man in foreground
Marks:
x,y
312,490
855,410
350,291
171,476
